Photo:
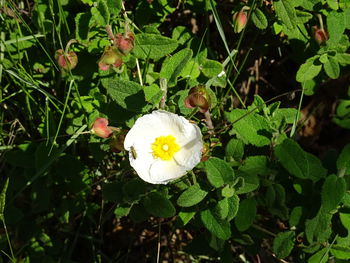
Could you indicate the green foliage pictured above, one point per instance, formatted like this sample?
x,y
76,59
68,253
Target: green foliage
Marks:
x,y
275,171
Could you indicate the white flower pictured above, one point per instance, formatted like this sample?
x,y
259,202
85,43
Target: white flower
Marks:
x,y
163,146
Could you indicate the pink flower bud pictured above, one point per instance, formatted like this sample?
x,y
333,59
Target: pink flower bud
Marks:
x,y
110,56
124,43
198,97
320,35
66,61
101,129
240,20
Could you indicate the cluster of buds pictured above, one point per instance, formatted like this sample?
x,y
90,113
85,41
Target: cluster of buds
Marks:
x,y
240,20
112,55
66,60
320,35
198,97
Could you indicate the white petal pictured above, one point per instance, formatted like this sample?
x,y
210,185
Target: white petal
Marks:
x,y
161,172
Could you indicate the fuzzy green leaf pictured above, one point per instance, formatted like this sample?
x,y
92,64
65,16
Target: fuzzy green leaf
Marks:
x,y
192,196
252,127
308,70
331,67
125,93
157,205
283,244
211,68
153,46
259,19
218,172
318,228
336,26
173,66
286,12
246,214
298,162
218,227
333,191
343,162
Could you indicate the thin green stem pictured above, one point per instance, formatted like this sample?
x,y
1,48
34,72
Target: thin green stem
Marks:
x,y
62,115
13,259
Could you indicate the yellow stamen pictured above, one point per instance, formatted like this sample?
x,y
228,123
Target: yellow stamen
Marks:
x,y
164,147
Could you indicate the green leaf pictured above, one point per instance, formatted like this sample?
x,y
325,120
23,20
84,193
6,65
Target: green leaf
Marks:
x,y
335,26
288,114
211,68
153,46
153,94
218,172
192,196
100,13
191,70
82,21
303,17
342,117
343,161
308,70
251,127
333,4
331,67
222,208
340,252
333,190
218,227
286,12
319,257
235,149
255,165
295,216
114,6
345,220
233,206
283,244
298,162
250,182
3,198
125,93
246,214
157,205
185,216
343,58
259,19
173,66
318,228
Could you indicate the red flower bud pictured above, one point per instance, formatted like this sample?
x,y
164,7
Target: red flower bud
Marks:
x,y
66,61
101,129
124,43
320,35
110,56
198,97
240,20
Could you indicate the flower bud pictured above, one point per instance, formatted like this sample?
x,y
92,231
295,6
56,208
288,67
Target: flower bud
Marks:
x,y
124,43
66,61
198,97
320,35
240,20
101,129
111,56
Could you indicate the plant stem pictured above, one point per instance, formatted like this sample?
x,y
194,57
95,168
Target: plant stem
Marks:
x,y
208,121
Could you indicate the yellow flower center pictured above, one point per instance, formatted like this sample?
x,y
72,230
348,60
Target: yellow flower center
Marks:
x,y
164,147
